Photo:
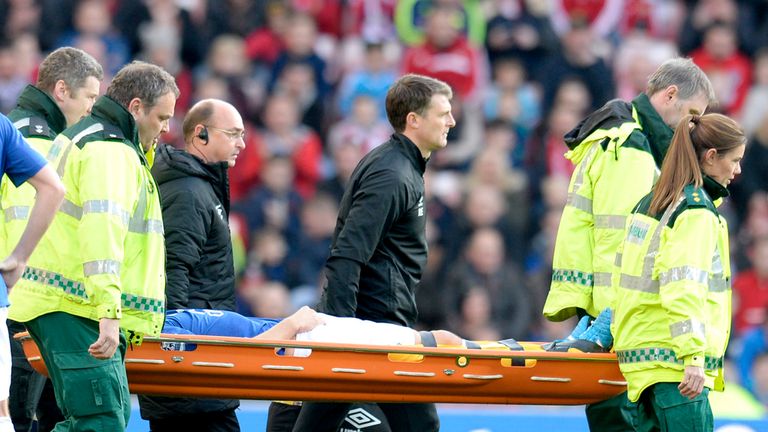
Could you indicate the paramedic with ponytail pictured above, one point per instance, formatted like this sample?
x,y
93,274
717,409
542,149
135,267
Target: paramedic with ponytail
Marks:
x,y
673,302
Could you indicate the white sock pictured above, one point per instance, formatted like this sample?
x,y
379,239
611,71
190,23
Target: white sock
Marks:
x,y
6,425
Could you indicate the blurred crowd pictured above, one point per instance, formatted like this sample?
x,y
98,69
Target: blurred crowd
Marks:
x,y
310,77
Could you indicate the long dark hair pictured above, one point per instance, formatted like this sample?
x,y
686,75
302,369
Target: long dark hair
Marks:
x,y
694,135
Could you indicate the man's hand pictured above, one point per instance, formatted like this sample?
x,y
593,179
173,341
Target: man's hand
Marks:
x,y
11,269
693,382
305,319
109,338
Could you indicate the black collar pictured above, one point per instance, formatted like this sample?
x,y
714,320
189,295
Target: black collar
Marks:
x,y
659,134
35,100
116,114
412,151
714,189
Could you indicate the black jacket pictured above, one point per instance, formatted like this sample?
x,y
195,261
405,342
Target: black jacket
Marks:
x,y
199,267
195,200
379,247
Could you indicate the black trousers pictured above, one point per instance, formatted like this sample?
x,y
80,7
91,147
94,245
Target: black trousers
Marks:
x,y
402,417
31,393
218,421
362,416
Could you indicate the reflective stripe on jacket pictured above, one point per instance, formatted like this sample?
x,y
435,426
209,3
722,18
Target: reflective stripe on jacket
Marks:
x,y
39,120
673,302
104,254
617,163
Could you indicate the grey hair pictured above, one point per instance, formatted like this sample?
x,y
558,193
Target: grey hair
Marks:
x,y
690,80
141,80
71,65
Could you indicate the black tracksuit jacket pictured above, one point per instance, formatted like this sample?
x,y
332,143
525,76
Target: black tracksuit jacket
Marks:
x,y
379,247
199,266
195,200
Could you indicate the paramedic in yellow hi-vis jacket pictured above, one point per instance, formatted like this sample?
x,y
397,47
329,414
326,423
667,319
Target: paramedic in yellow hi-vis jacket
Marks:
x,y
67,85
673,299
617,151
100,267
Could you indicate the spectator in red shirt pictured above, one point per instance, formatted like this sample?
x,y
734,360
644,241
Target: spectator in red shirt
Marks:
x,y
601,16
265,44
447,55
326,13
729,70
371,19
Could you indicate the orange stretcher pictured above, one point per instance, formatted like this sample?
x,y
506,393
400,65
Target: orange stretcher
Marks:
x,y
227,367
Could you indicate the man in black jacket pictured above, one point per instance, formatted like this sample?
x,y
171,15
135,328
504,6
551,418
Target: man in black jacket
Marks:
x,y
194,194
379,247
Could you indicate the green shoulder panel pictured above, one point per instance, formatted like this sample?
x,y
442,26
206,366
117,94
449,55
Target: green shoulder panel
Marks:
x,y
38,127
644,205
31,125
695,197
17,114
638,141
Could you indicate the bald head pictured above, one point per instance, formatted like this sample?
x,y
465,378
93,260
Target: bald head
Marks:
x,y
213,130
204,113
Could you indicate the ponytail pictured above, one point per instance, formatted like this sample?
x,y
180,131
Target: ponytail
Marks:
x,y
680,166
694,136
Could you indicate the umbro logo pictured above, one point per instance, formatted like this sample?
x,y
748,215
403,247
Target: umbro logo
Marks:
x,y
360,419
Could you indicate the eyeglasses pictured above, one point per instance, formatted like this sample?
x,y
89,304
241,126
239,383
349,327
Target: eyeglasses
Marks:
x,y
231,134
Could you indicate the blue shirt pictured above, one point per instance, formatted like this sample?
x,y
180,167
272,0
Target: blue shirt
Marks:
x,y
210,322
19,162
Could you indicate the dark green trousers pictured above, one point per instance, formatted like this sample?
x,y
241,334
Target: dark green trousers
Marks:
x,y
91,393
661,407
616,414
32,394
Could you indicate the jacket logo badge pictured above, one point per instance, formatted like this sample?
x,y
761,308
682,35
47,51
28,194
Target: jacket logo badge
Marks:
x,y
220,211
420,206
38,129
637,231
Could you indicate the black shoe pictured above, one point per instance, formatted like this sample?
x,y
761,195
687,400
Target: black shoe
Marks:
x,y
577,345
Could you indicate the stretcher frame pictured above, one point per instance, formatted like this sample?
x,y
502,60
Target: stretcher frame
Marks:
x,y
239,368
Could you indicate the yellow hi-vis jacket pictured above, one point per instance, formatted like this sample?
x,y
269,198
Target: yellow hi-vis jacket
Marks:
x,y
673,299
617,151
104,255
39,120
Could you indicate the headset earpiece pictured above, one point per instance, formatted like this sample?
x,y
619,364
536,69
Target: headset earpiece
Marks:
x,y
203,135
